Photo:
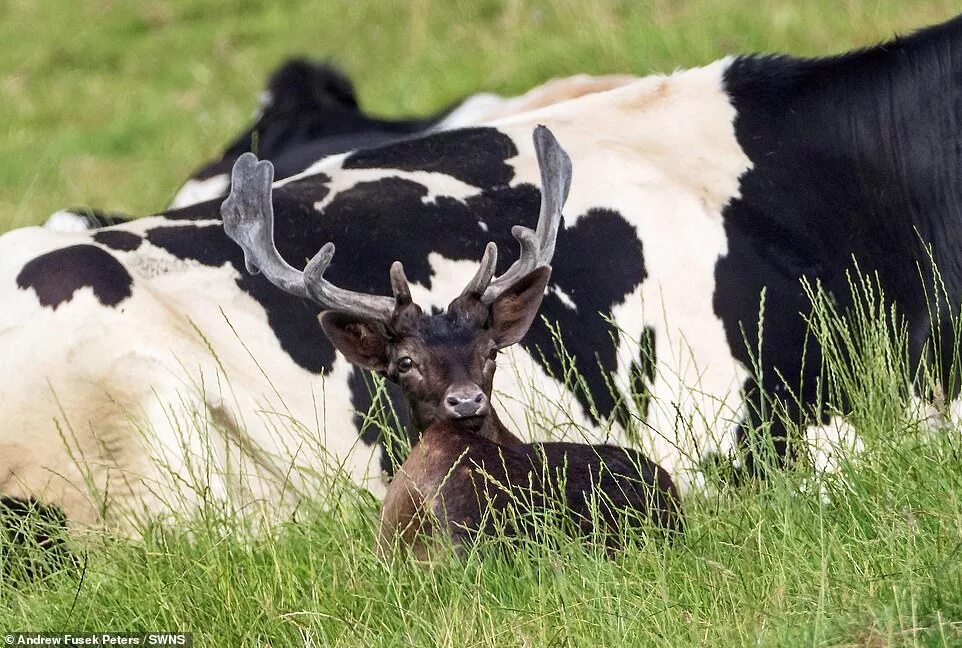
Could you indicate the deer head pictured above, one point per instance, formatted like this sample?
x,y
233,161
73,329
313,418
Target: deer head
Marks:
x,y
444,362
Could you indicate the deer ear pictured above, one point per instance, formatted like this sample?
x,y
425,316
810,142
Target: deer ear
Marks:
x,y
362,341
515,309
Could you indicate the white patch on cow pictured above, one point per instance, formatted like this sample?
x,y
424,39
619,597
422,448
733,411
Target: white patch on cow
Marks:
x,y
448,278
473,110
830,444
485,107
198,191
483,226
539,407
149,262
437,184
143,225
66,221
934,416
327,165
564,297
264,100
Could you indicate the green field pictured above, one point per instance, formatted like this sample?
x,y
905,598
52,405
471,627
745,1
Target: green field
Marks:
x,y
112,104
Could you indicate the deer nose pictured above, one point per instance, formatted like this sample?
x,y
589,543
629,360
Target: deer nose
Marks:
x,y
465,401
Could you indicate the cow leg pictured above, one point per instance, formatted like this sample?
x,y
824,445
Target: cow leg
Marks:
x,y
764,437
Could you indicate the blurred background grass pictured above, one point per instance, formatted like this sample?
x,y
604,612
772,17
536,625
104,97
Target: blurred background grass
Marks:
x,y
112,103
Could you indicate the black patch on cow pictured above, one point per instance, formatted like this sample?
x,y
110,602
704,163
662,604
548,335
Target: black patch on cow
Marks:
x,y
475,156
762,433
193,243
375,223
32,540
857,156
206,210
641,374
57,275
118,240
376,411
313,188
598,262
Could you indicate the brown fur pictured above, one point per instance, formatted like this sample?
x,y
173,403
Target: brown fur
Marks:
x,y
454,480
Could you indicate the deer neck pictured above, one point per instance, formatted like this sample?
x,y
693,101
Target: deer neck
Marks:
x,y
498,433
491,428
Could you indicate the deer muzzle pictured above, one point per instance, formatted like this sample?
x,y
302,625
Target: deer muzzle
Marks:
x,y
464,401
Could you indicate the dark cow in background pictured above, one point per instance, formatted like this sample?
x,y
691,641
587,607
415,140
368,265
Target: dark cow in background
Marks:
x,y
310,110
693,193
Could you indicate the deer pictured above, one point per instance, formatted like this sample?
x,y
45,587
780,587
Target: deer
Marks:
x,y
466,466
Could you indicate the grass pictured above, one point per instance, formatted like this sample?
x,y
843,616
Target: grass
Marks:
x,y
874,563
111,104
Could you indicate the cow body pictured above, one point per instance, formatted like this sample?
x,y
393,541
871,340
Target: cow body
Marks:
x,y
691,194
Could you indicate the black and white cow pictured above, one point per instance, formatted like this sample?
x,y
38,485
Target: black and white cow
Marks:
x,y
691,194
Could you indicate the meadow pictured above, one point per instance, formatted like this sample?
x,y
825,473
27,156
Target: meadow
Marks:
x,y
112,104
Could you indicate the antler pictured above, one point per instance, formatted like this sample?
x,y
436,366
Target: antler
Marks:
x,y
248,216
537,246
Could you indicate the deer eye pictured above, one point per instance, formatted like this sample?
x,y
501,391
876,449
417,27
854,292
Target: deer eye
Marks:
x,y
404,364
